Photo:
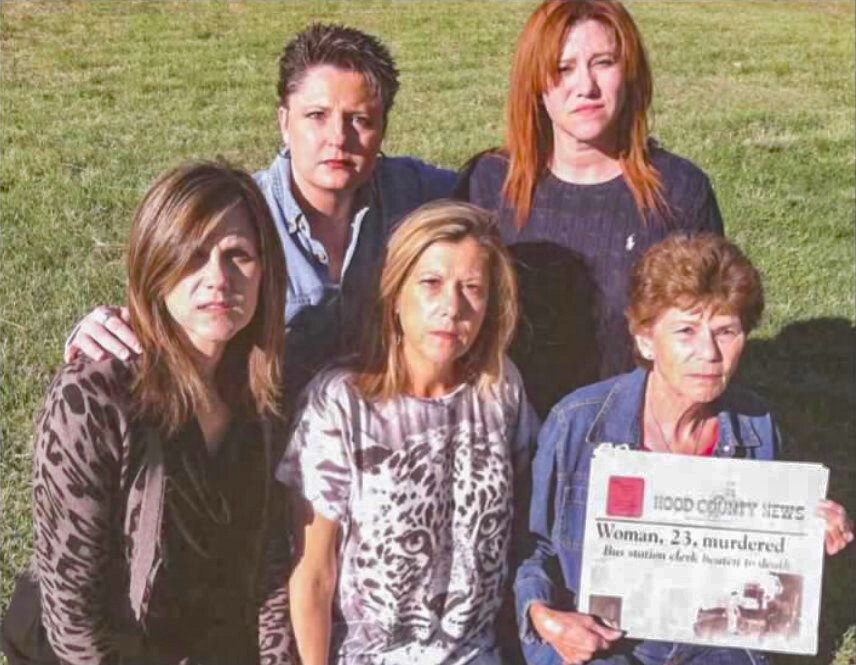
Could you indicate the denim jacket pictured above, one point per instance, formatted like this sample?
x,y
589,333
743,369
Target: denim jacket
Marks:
x,y
322,316
606,412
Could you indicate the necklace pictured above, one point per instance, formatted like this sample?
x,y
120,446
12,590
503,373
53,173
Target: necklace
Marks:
x,y
696,439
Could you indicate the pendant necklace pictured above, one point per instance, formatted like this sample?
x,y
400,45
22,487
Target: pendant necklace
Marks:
x,y
666,443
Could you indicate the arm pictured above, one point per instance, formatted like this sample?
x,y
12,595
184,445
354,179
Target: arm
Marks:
x,y
316,468
313,583
76,468
540,587
103,333
707,216
276,637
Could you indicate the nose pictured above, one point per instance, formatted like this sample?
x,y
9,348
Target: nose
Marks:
x,y
452,302
585,82
708,346
216,273
336,128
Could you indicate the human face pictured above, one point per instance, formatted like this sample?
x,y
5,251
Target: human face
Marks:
x,y
585,102
333,125
441,309
695,353
217,295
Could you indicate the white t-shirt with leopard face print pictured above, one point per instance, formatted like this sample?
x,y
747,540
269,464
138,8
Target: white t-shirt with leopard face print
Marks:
x,y
423,490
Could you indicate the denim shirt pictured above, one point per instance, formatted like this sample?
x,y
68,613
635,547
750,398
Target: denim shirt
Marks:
x,y
322,316
606,412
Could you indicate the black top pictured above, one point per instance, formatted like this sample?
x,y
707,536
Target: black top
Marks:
x,y
573,258
204,602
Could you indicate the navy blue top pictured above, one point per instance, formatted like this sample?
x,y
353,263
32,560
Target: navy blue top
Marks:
x,y
573,257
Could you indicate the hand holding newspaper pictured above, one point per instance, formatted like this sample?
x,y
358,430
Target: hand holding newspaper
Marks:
x,y
725,552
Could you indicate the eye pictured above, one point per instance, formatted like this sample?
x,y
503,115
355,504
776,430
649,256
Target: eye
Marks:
x,y
474,288
416,541
430,282
604,61
726,332
240,255
198,259
566,68
492,523
363,121
314,115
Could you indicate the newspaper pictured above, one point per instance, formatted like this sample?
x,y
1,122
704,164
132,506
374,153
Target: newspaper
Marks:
x,y
723,552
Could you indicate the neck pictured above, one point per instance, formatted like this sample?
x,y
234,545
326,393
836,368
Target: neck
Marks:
x,y
584,163
429,381
672,422
321,205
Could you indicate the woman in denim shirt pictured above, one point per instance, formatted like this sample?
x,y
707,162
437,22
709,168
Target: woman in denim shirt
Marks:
x,y
694,299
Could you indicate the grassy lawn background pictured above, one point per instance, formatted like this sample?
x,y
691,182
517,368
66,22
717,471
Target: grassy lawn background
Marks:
x,y
97,98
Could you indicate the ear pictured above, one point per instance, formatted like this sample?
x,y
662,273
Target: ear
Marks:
x,y
645,344
282,121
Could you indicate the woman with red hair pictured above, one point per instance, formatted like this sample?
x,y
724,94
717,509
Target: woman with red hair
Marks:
x,y
581,190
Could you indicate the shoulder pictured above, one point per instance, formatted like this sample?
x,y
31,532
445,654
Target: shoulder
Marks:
x,y
85,386
590,397
742,400
489,167
681,178
333,386
264,176
398,171
88,405
674,167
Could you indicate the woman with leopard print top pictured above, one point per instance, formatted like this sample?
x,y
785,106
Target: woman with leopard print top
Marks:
x,y
409,466
156,532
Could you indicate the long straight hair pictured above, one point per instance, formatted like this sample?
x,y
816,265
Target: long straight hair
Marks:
x,y
529,131
181,208
381,370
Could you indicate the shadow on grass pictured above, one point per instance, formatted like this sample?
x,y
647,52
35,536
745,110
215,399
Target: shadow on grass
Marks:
x,y
808,375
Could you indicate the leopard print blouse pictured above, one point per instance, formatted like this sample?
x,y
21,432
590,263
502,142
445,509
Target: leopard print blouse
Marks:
x,y
91,469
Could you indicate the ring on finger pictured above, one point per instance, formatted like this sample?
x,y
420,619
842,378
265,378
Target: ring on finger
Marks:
x,y
102,315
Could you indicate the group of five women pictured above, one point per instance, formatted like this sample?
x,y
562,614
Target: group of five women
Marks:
x,y
361,485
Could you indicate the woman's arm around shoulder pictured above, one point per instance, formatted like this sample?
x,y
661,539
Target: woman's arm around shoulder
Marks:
x,y
79,449
481,178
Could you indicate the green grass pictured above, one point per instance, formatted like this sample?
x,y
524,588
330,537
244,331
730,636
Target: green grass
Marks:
x,y
99,97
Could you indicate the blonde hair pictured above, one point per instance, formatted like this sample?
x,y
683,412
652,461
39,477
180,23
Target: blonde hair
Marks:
x,y
179,211
382,373
535,69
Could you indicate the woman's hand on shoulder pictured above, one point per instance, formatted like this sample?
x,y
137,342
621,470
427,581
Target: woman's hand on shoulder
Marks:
x,y
576,637
103,333
839,526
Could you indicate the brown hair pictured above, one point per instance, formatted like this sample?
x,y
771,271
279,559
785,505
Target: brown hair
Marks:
x,y
342,47
529,131
382,373
692,270
177,214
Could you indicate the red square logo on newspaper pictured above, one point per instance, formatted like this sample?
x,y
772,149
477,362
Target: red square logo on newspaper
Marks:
x,y
624,496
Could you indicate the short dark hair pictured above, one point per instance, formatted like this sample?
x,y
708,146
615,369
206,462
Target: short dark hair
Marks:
x,y
343,47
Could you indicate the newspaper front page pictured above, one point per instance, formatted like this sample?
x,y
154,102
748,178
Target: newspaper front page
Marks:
x,y
724,552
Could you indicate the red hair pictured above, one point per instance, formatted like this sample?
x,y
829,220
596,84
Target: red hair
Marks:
x,y
529,131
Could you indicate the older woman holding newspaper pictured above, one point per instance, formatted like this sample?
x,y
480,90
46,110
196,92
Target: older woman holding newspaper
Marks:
x,y
693,301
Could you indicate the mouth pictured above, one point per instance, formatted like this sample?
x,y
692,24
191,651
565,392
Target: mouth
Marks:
x,y
338,163
217,307
445,335
707,378
587,108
